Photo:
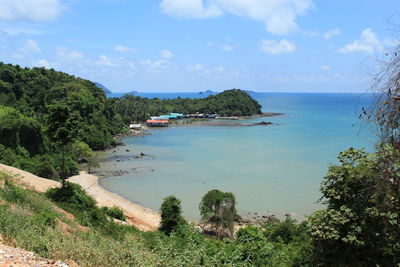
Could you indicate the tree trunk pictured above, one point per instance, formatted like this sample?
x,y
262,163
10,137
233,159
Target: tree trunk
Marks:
x,y
63,176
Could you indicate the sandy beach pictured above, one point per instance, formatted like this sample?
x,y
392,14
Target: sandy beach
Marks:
x,y
143,218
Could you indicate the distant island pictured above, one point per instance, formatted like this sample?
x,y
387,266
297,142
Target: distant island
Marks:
x,y
207,92
132,93
105,89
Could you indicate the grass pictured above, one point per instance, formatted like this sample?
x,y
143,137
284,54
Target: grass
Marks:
x,y
30,220
33,221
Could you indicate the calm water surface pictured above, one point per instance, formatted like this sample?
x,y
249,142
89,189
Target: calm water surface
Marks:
x,y
270,169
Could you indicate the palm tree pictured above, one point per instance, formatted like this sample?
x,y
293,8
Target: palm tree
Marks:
x,y
218,209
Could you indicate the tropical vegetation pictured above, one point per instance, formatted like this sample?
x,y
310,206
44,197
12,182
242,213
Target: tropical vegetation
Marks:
x,y
233,102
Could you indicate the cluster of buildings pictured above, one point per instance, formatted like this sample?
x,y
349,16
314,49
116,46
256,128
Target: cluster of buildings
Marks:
x,y
163,120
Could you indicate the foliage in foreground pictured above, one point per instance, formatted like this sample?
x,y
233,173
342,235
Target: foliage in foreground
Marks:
x,y
361,224
31,221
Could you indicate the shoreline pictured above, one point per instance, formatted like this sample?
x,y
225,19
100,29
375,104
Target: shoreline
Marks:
x,y
141,217
232,121
217,122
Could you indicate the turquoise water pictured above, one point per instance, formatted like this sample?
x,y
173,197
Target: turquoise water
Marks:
x,y
271,169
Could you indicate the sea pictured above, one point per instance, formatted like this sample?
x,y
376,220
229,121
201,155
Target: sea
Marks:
x,y
271,169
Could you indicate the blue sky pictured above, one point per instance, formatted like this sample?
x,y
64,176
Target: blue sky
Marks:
x,y
195,45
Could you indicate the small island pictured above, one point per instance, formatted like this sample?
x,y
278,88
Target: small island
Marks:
x,y
207,92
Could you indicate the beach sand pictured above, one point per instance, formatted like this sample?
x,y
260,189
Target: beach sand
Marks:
x,y
143,218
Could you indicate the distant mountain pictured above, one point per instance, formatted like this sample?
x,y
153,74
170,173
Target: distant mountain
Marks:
x,y
207,92
250,92
105,89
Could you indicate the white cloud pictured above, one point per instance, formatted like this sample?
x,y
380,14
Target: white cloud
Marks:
x,y
122,48
275,48
227,47
14,31
368,44
196,67
279,16
159,64
69,54
325,67
105,61
331,33
166,54
30,10
220,68
190,9
45,63
30,46
219,71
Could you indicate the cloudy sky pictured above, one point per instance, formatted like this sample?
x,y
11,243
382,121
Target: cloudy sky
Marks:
x,y
193,45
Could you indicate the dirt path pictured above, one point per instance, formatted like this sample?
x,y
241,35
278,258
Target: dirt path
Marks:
x,y
35,182
10,256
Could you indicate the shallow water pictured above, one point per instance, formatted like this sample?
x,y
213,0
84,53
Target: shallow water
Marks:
x,y
270,169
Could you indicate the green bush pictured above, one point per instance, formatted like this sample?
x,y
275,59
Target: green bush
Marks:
x,y
114,212
361,224
74,199
171,215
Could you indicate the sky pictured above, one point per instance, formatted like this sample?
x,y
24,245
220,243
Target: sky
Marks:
x,y
196,45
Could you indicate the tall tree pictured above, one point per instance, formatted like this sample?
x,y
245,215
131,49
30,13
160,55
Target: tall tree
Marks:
x,y
62,128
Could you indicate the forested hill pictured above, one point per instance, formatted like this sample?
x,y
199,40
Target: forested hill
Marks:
x,y
234,102
42,110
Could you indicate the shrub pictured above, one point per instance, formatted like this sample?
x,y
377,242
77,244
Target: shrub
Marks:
x,y
114,212
171,215
74,199
361,224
